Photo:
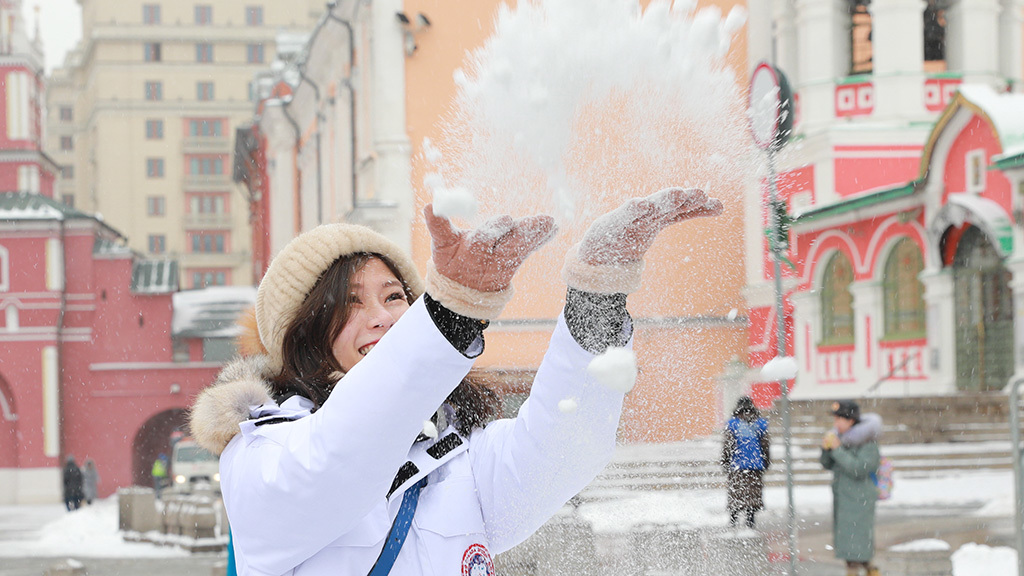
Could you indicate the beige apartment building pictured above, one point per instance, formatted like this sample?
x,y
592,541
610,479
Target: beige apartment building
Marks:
x,y
141,119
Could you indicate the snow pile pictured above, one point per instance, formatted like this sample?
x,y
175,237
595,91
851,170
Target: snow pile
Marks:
x,y
923,545
570,101
89,532
615,369
981,560
779,368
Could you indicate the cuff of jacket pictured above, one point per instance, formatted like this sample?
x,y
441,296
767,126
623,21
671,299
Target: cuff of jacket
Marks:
x,y
464,300
601,279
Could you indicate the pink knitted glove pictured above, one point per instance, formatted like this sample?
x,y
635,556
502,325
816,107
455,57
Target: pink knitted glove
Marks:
x,y
471,270
609,259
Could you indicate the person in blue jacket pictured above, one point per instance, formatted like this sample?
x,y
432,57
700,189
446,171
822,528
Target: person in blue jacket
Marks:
x,y
354,443
745,457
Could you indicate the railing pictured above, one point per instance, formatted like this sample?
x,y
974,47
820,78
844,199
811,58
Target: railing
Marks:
x,y
1018,470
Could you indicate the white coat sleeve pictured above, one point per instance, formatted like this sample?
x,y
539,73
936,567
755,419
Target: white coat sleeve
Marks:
x,y
292,488
526,468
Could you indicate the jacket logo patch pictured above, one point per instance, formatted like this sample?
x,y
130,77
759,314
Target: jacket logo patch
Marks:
x,y
476,561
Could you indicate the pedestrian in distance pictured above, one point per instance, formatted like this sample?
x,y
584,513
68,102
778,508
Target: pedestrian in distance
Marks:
x,y
159,473
90,481
745,457
72,484
356,444
850,451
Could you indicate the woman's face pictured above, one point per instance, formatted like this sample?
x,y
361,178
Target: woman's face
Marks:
x,y
843,424
376,301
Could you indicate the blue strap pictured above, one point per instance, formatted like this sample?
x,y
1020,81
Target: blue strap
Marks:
x,y
399,530
231,569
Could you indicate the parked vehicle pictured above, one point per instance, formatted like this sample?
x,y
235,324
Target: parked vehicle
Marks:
x,y
191,464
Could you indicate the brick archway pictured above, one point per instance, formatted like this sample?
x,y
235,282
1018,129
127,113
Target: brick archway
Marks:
x,y
152,439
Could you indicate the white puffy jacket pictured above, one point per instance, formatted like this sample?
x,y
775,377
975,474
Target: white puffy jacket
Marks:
x,y
307,496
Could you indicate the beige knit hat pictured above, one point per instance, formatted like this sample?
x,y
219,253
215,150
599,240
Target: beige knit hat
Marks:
x,y
295,270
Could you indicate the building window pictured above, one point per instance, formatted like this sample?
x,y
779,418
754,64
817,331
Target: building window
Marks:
x,y
154,167
204,14
154,91
152,52
154,129
67,114
934,37
209,242
150,13
157,244
837,301
204,53
903,292
209,128
155,205
975,169
254,53
206,165
204,91
67,143
861,52
5,273
204,278
67,172
208,204
254,15
68,200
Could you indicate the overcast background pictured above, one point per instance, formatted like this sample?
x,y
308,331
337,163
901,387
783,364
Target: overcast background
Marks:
x,y
60,25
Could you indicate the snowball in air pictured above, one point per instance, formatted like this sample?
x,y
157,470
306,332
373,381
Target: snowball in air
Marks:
x,y
732,314
615,369
450,202
567,405
429,430
779,368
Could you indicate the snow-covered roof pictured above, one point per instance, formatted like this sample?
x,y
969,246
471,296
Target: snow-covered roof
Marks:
x,y
210,312
1004,110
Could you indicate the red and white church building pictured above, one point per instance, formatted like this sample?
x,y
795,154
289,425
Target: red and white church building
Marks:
x,y
904,181
100,355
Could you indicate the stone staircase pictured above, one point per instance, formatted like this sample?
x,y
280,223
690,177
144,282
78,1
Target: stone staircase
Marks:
x,y
922,436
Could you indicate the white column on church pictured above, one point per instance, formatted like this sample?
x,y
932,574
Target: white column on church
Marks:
x,y
941,353
867,322
806,320
897,38
1011,23
972,39
823,57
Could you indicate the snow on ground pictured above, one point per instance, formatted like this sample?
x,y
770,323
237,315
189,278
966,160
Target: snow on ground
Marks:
x,y
93,530
90,532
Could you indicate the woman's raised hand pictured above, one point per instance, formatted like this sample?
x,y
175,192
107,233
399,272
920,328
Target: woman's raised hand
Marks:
x,y
625,234
609,259
485,259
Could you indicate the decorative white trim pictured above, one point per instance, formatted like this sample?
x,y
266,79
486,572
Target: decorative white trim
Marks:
x,y
812,256
5,270
975,165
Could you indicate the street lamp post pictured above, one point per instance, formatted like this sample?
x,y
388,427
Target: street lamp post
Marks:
x,y
771,123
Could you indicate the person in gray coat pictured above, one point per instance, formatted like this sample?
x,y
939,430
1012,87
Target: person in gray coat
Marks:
x,y
90,480
850,451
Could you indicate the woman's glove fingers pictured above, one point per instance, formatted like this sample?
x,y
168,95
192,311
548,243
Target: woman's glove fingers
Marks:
x,y
487,258
625,234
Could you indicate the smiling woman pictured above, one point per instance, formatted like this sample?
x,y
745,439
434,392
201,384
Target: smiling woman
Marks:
x,y
361,428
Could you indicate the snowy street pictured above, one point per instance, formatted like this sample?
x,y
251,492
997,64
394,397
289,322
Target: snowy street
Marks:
x,y
971,512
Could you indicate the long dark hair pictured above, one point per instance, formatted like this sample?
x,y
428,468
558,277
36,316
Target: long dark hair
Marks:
x,y
310,368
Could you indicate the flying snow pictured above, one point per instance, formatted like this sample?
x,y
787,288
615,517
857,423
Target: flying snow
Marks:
x,y
615,369
429,430
568,405
572,102
779,368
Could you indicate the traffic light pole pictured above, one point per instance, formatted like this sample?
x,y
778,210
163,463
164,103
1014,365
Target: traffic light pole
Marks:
x,y
787,426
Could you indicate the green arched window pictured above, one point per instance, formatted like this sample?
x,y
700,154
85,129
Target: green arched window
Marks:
x,y
837,302
903,292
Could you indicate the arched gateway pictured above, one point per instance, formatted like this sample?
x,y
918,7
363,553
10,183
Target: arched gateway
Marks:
x,y
152,439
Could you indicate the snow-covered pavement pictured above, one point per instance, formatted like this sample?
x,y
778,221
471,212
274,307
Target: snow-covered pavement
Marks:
x,y
984,498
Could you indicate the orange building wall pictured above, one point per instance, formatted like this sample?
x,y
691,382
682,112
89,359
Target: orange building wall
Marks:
x,y
687,276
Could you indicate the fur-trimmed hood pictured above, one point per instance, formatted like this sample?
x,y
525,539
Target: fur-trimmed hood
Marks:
x,y
868,429
241,388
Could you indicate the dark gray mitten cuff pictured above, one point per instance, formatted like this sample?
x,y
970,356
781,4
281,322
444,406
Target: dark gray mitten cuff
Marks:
x,y
597,321
464,333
